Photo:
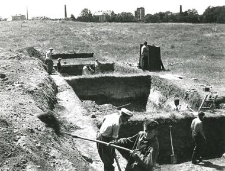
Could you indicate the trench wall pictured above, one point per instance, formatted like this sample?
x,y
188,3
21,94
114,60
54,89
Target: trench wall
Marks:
x,y
72,69
72,55
109,88
214,127
75,70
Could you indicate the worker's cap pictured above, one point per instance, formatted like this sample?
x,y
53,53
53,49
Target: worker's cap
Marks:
x,y
59,59
126,112
201,113
50,48
145,43
151,124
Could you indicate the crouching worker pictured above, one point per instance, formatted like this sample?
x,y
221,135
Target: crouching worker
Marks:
x,y
145,148
108,132
88,70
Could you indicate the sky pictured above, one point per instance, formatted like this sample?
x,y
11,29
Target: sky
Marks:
x,y
55,8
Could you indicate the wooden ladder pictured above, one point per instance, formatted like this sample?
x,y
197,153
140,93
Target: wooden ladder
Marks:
x,y
208,102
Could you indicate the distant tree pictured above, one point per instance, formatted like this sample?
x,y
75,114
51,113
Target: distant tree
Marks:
x,y
192,16
214,15
72,17
149,18
85,15
112,17
189,16
125,17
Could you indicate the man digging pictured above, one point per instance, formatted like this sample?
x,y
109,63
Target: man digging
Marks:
x,y
108,132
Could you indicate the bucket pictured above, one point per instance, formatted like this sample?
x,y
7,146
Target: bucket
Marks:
x,y
173,158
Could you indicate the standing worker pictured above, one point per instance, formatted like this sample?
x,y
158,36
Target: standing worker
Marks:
x,y
144,56
49,61
198,137
145,147
49,53
97,67
108,132
59,66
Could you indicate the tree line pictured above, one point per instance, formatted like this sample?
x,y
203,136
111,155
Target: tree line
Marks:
x,y
210,15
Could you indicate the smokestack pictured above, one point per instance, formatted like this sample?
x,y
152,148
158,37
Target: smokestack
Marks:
x,y
65,12
27,13
180,9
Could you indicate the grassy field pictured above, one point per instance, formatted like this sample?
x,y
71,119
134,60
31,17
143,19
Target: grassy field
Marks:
x,y
191,50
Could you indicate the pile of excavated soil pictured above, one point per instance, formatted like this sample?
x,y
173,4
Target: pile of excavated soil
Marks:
x,y
26,90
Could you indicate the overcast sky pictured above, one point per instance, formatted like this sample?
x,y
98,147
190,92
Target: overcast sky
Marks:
x,y
55,8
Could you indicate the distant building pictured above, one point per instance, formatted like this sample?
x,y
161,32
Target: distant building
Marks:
x,y
102,15
139,14
17,18
181,9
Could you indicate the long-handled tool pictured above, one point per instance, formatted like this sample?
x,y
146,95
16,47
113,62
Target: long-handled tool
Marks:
x,y
51,121
117,162
173,156
123,105
98,141
102,142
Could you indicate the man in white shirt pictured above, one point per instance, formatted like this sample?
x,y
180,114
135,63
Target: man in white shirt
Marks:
x,y
87,70
108,132
49,61
198,137
144,56
49,53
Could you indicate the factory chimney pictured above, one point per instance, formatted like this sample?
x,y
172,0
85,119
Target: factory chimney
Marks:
x,y
65,12
27,13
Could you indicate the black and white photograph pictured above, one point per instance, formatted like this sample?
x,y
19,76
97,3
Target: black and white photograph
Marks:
x,y
96,85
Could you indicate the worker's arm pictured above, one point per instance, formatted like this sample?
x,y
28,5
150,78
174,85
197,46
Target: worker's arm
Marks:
x,y
125,141
201,130
148,159
115,131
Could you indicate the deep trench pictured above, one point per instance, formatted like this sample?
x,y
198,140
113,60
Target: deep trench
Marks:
x,y
134,90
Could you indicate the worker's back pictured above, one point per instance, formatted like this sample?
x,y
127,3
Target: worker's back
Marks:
x,y
49,63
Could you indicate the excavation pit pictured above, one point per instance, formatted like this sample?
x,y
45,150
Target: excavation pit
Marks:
x,y
115,90
75,68
105,93
109,91
182,141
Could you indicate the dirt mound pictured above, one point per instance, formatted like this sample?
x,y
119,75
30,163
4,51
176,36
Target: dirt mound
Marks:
x,y
26,90
32,52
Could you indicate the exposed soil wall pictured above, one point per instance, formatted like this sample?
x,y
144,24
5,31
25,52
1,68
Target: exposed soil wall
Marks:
x,y
165,91
214,127
110,88
75,70
72,70
72,55
26,143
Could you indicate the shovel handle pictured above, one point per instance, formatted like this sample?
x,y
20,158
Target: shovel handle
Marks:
x,y
98,141
171,139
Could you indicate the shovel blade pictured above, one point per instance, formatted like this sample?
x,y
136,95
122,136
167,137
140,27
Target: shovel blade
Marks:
x,y
173,158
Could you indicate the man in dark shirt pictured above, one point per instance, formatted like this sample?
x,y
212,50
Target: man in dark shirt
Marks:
x,y
145,148
59,66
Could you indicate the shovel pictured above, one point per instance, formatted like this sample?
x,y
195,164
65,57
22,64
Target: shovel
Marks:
x,y
173,156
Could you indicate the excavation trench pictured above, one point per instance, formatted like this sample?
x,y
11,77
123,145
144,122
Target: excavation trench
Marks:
x,y
100,92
